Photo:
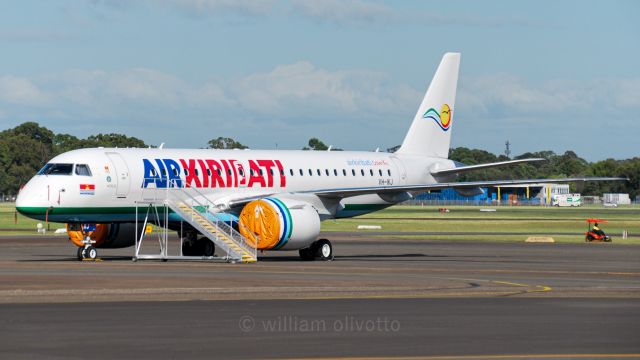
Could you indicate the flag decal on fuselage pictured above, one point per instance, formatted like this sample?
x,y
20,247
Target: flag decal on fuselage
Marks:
x,y
87,189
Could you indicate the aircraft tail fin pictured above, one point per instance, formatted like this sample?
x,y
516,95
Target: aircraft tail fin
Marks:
x,y
430,132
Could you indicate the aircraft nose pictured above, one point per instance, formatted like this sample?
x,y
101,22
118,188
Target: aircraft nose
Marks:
x,y
27,197
22,199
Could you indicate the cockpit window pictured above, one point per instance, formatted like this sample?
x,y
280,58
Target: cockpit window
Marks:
x,y
83,170
56,169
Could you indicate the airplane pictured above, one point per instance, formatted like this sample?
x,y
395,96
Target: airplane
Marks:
x,y
274,199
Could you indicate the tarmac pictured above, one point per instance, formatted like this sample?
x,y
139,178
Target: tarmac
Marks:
x,y
381,298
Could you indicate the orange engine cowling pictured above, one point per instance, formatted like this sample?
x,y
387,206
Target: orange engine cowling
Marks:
x,y
279,224
114,235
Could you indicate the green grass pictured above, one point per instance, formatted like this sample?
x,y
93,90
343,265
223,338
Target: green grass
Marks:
x,y
530,220
12,224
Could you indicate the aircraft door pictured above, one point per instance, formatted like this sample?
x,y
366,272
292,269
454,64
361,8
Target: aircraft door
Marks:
x,y
123,179
400,170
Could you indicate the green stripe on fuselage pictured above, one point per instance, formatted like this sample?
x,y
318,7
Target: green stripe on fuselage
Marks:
x,y
30,210
41,212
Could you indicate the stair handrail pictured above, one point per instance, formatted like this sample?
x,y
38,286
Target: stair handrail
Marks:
x,y
164,194
210,210
208,206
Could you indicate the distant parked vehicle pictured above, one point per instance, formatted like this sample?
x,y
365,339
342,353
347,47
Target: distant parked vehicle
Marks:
x,y
566,200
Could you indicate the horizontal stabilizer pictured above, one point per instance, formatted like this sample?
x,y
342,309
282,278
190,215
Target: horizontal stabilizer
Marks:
x,y
465,168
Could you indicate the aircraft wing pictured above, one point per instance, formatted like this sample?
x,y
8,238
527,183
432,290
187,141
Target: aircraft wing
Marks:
x,y
340,193
346,192
241,201
461,168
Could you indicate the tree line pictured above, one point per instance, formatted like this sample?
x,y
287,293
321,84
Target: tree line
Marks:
x,y
25,148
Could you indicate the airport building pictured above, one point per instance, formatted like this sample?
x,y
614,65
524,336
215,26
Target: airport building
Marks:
x,y
618,199
535,194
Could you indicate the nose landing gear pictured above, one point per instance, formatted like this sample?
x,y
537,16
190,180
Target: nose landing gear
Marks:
x,y
87,251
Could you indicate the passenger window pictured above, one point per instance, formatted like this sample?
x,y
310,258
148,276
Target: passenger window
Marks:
x,y
362,172
241,171
310,172
209,172
175,172
335,172
344,172
291,172
318,171
389,172
371,172
326,171
194,170
229,172
164,172
219,172
353,172
186,172
83,170
260,171
380,172
301,172
153,172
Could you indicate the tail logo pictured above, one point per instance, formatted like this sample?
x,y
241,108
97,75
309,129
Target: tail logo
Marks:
x,y
443,119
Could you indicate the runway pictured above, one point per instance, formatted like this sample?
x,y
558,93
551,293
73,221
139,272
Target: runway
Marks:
x,y
389,298
321,328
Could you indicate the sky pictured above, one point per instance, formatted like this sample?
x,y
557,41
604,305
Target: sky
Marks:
x,y
544,75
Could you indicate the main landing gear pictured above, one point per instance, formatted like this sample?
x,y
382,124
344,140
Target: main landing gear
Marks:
x,y
200,247
319,249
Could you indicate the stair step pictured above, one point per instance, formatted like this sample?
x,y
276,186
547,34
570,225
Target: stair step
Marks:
x,y
216,232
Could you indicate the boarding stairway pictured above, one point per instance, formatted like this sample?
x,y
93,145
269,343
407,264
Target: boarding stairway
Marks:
x,y
208,223
194,208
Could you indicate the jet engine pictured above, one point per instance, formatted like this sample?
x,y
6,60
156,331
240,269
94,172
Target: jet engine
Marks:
x,y
108,236
279,224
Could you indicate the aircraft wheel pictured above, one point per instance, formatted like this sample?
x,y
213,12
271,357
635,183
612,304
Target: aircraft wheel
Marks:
x,y
306,254
323,250
80,253
91,253
188,248
207,248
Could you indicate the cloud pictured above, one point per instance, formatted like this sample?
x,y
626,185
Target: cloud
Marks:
x,y
339,12
21,91
346,11
502,95
293,96
302,89
146,86
359,12
210,7
301,99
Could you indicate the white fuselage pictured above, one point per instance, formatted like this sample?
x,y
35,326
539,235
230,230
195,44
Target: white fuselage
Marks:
x,y
119,178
